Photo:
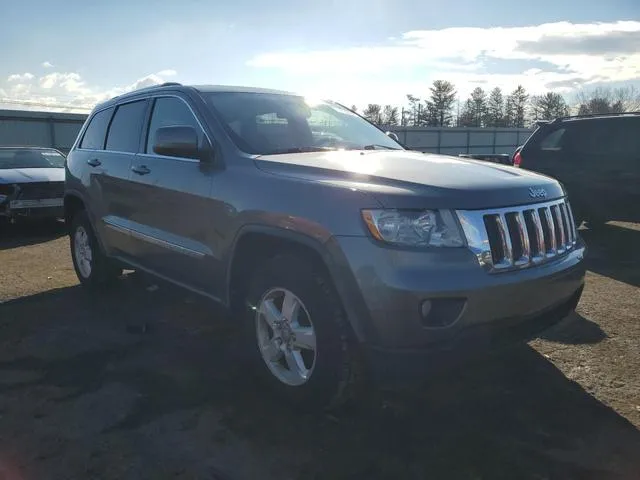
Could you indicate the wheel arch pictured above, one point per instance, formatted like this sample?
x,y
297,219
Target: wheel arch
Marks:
x,y
255,243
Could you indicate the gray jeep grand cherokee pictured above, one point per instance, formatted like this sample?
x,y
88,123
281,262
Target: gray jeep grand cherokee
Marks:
x,y
342,252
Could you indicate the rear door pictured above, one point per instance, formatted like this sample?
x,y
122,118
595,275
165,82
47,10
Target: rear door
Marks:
x,y
172,226
105,175
615,163
122,144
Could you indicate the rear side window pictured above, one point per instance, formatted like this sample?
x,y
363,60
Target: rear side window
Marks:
x,y
168,112
126,126
553,141
96,130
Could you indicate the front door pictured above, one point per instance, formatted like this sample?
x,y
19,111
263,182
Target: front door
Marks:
x,y
172,221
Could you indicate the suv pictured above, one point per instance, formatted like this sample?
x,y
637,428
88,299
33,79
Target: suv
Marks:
x,y
597,158
340,252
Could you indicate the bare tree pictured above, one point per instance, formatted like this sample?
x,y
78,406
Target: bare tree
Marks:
x,y
354,108
373,113
390,115
440,103
607,100
549,106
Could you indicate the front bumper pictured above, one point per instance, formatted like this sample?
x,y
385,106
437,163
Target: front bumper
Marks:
x,y
394,283
47,208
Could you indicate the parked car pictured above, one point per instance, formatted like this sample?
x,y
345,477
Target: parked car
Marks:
x,y
340,251
596,157
31,182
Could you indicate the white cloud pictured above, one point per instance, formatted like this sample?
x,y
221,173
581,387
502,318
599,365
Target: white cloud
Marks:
x,y
67,89
586,53
20,77
47,64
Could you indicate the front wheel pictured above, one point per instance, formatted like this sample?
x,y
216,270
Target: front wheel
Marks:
x,y
92,267
298,335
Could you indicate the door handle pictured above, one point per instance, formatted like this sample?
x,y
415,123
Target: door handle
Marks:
x,y
141,170
94,162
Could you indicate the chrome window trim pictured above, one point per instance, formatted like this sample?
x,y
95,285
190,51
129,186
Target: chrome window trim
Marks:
x,y
145,154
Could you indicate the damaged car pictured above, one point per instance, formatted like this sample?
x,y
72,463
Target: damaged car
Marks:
x,y
31,183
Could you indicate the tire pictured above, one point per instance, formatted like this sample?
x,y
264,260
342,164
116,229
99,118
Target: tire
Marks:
x,y
95,269
332,368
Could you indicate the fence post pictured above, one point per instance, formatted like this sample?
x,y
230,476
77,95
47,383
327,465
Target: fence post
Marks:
x,y
495,133
468,139
439,138
52,131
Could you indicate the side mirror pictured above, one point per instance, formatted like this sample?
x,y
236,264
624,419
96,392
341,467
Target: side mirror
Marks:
x,y
177,141
393,135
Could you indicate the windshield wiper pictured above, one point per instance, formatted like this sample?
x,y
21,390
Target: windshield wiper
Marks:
x,y
375,146
301,150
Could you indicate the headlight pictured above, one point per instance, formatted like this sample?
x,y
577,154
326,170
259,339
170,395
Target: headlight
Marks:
x,y
423,228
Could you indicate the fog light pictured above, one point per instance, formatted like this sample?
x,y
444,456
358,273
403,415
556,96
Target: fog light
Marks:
x,y
425,308
441,312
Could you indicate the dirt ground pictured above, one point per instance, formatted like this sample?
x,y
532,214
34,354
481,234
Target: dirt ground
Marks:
x,y
140,382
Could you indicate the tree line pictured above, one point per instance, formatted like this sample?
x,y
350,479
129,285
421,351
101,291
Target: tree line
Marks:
x,y
494,108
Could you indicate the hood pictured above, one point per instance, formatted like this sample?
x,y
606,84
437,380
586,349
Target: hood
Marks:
x,y
406,179
28,175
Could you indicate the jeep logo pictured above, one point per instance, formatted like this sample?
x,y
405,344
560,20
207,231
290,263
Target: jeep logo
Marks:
x,y
537,192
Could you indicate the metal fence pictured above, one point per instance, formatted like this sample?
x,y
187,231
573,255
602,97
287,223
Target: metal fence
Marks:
x,y
59,130
44,129
456,140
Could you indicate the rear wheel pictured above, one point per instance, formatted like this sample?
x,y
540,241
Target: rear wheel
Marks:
x,y
298,336
92,267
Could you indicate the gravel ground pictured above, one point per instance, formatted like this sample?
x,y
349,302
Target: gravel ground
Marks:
x,y
142,382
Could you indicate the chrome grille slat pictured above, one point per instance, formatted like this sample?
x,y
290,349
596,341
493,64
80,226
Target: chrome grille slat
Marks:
x,y
557,217
552,232
524,240
571,224
513,238
501,222
542,249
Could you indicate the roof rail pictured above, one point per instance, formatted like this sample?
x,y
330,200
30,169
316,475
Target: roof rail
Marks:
x,y
591,115
151,87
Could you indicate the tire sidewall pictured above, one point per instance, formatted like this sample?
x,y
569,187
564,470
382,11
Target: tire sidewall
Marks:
x,y
332,363
81,220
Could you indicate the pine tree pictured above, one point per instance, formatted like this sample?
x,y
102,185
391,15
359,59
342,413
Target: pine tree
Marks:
x,y
440,103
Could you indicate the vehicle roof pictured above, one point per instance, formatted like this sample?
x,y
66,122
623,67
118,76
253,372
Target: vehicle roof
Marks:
x,y
596,116
199,88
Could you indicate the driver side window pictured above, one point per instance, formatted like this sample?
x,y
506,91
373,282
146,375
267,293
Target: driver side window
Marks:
x,y
170,111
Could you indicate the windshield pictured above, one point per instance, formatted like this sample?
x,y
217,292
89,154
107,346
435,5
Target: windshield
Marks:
x,y
271,123
30,158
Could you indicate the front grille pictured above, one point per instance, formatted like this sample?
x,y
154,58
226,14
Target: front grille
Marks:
x,y
519,237
40,190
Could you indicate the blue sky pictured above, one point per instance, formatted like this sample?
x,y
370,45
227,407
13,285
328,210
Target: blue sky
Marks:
x,y
355,51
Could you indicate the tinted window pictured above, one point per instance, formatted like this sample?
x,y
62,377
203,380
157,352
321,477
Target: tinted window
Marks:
x,y
96,131
593,137
626,137
124,132
170,111
553,141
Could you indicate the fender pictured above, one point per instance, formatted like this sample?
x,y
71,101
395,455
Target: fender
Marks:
x,y
334,261
87,206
